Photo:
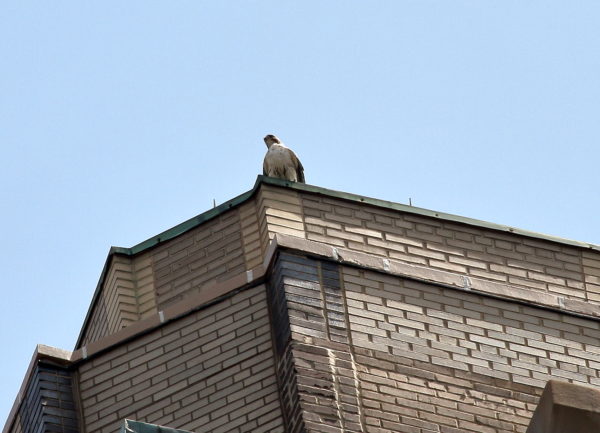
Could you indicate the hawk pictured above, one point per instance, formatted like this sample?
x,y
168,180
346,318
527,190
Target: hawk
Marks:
x,y
281,161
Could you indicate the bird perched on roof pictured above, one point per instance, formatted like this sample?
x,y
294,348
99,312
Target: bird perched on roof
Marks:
x,y
281,161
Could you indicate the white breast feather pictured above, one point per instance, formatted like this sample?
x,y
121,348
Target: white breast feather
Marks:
x,y
279,163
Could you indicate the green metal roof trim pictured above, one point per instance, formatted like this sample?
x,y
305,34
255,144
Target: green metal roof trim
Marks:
x,y
213,213
196,221
130,426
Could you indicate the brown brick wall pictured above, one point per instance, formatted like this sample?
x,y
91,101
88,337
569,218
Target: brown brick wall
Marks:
x,y
145,288
97,323
212,250
138,287
386,354
253,247
237,240
482,253
119,294
212,370
356,350
280,211
481,344
233,242
128,295
520,343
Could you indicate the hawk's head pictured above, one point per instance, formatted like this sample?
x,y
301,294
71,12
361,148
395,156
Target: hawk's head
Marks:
x,y
270,139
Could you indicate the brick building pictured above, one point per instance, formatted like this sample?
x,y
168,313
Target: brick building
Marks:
x,y
293,308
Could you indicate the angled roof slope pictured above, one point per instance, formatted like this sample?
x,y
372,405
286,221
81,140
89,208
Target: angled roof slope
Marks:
x,y
211,214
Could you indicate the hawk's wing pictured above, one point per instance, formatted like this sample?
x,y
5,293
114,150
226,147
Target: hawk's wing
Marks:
x,y
299,167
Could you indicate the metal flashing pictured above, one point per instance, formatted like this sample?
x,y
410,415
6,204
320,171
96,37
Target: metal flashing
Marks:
x,y
234,202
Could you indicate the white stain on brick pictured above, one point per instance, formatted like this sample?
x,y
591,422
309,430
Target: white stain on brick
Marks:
x,y
334,375
386,265
336,390
357,391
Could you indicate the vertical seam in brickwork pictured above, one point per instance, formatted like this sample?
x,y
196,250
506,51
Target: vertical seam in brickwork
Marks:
x,y
153,269
330,355
302,216
323,299
136,289
361,415
245,245
77,401
261,217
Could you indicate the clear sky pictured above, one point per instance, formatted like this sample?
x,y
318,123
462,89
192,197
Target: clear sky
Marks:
x,y
120,119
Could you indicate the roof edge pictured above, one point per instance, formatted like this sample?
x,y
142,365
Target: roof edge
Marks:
x,y
212,213
429,213
191,223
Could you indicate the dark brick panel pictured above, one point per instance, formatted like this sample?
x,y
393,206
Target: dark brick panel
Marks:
x,y
48,406
212,251
288,266
296,268
316,365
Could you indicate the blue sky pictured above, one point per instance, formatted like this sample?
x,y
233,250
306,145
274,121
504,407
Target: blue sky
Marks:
x,y
119,120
